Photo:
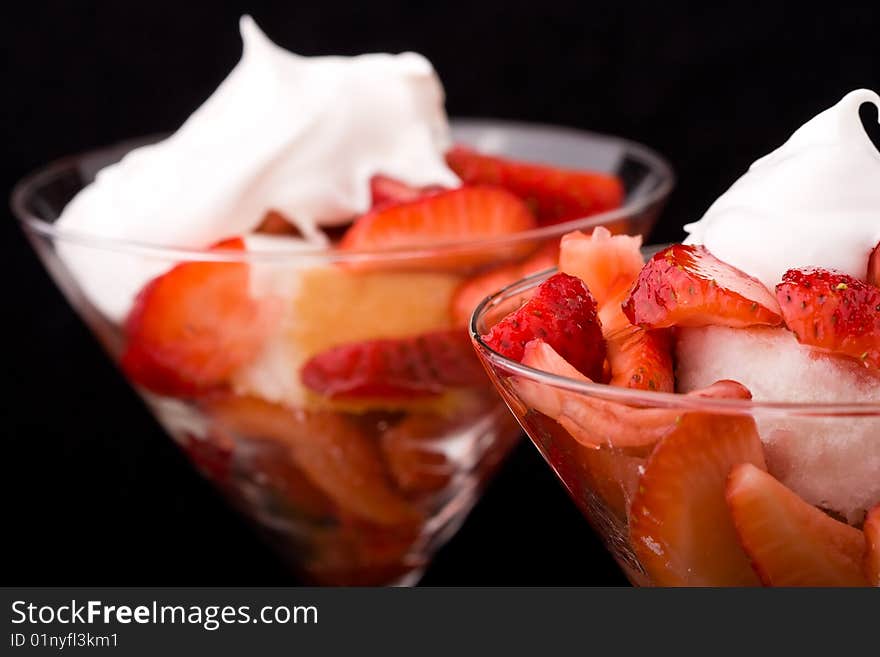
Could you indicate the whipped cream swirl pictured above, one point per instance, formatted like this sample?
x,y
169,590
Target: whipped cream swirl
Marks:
x,y
814,201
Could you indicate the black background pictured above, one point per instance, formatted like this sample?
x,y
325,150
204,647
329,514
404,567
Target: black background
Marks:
x,y
94,493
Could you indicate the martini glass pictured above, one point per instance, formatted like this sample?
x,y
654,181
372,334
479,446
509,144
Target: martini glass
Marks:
x,y
668,524
350,493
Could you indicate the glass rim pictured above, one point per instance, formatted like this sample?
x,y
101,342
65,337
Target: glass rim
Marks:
x,y
647,398
25,188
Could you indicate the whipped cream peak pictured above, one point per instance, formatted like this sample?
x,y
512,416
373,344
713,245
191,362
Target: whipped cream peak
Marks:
x,y
298,135
814,201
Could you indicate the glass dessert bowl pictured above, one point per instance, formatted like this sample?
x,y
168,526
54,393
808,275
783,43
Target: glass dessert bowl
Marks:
x,y
331,394
717,425
355,483
669,516
286,281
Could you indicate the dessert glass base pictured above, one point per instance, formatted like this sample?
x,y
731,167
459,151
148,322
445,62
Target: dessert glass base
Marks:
x,y
352,491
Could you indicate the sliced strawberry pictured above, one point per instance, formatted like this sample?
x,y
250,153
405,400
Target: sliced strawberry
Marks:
x,y
562,312
555,194
638,358
641,359
385,190
332,452
832,311
474,290
791,542
596,422
413,449
467,214
872,545
873,276
192,327
685,285
680,527
603,261
426,364
593,422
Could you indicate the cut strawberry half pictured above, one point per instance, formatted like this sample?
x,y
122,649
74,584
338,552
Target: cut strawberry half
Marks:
x,y
562,313
641,359
385,190
555,194
873,276
833,312
872,546
685,285
791,542
593,422
427,364
467,214
605,262
191,328
680,527
332,452
596,422
474,290
638,358
413,449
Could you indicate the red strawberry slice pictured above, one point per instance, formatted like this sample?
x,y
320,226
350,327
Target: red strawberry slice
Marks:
x,y
606,263
385,190
331,451
874,267
680,527
413,449
833,312
872,545
591,421
467,214
639,358
562,313
555,194
791,542
470,293
395,368
609,265
192,327
685,285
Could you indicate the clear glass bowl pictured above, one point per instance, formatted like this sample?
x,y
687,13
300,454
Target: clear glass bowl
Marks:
x,y
351,492
602,443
